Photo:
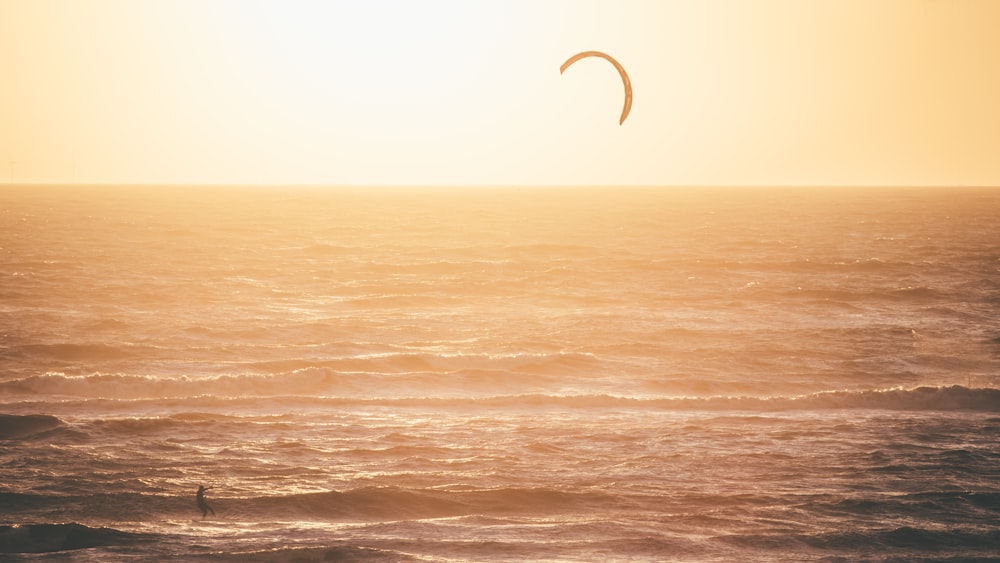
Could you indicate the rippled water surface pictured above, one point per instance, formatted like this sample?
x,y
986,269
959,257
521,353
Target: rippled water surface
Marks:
x,y
499,374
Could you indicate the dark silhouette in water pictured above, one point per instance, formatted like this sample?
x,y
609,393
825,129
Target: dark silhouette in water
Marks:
x,y
48,538
21,426
205,509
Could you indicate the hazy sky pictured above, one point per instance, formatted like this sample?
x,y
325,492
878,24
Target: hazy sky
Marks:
x,y
469,92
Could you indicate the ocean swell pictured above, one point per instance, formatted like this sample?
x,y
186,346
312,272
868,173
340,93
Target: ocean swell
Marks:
x,y
44,538
404,374
467,388
23,426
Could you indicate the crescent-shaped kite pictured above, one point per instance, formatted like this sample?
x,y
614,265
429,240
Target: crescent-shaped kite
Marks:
x,y
621,71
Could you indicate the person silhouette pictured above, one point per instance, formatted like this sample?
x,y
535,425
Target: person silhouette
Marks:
x,y
205,509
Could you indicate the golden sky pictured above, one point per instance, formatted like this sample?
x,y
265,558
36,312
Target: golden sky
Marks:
x,y
742,92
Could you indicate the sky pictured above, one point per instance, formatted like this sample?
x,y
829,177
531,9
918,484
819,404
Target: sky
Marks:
x,y
460,92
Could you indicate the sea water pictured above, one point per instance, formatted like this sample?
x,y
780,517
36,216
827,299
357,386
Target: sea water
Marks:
x,y
499,374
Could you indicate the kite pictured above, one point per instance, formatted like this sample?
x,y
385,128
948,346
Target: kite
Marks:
x,y
621,71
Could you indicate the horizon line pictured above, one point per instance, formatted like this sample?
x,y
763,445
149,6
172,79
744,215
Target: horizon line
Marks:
x,y
472,185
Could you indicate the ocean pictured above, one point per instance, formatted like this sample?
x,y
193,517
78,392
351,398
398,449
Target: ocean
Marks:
x,y
499,374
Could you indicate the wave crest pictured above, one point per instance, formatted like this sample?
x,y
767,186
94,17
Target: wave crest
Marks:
x,y
491,389
404,374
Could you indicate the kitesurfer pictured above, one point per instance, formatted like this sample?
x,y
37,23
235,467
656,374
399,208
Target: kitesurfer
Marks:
x,y
205,509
